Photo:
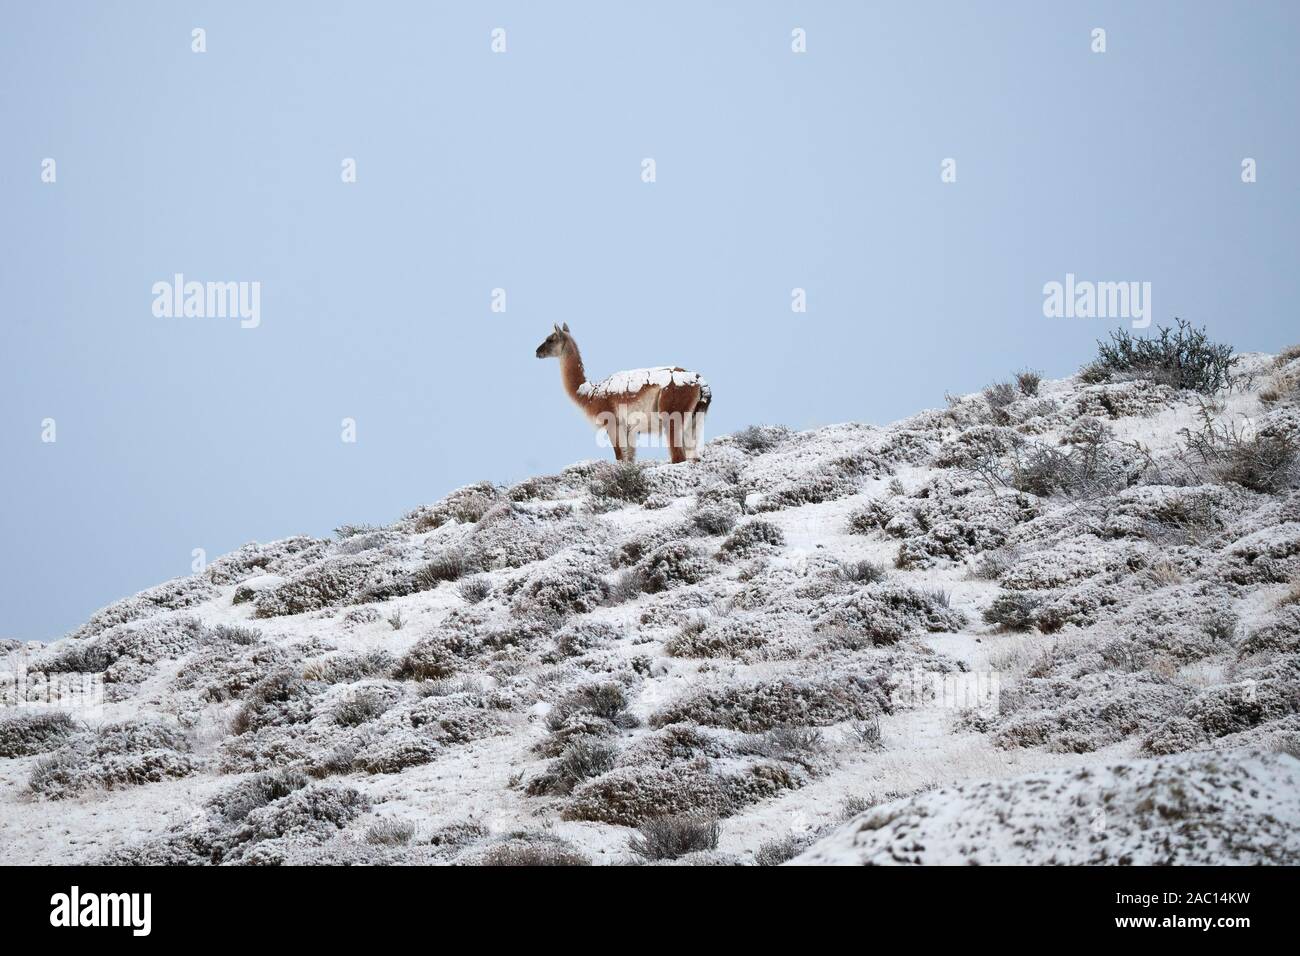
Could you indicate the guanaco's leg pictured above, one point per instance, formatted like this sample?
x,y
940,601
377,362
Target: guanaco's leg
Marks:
x,y
676,444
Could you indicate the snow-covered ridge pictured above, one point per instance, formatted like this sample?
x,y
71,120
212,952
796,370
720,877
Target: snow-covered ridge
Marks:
x,y
539,673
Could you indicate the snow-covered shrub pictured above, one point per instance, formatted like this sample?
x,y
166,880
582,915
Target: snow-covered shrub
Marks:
x,y
279,557
235,634
994,564
1279,635
800,745
449,565
670,837
1268,556
245,593
566,729
1069,562
272,747
365,538
1013,610
1121,400
811,489
1182,624
145,642
756,782
174,848
430,658
453,838
362,707
460,725
173,595
476,589
1080,605
907,445
712,519
347,531
579,637
510,537
627,796
1263,694
759,439
535,625
329,582
672,565
390,832
307,812
752,537
350,668
700,637
1182,357
781,849
221,672
528,849
1175,735
948,519
1086,712
999,396
1282,387
1219,625
395,751
979,449
729,494
627,585
359,616
873,516
636,546
1286,356
26,734
1263,461
581,760
1074,471
1028,381
624,481
277,700
787,700
573,587
81,657
235,803
606,700
886,613
126,754
860,572
465,505
674,744
1170,515
541,488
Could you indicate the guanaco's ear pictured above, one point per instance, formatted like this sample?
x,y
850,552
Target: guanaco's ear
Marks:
x,y
566,326
557,328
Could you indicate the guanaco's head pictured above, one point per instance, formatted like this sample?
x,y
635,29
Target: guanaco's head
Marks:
x,y
556,343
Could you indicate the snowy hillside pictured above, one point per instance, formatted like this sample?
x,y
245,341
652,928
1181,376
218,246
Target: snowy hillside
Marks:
x,y
1052,622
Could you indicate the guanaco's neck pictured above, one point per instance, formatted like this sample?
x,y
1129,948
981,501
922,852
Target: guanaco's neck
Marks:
x,y
571,371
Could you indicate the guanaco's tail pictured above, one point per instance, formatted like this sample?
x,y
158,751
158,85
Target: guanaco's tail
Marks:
x,y
706,396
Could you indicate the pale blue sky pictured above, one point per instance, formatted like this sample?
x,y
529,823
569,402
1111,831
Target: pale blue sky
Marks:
x,y
522,170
